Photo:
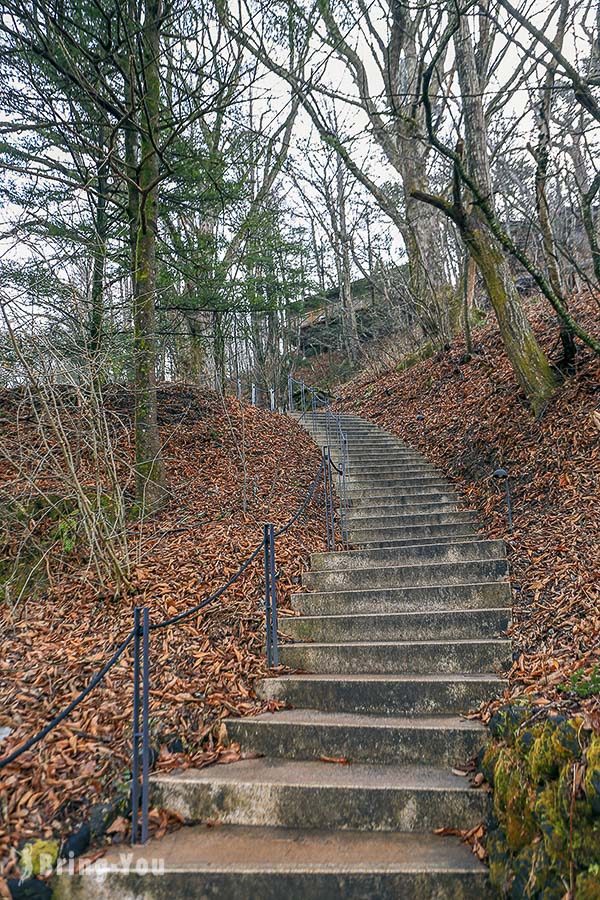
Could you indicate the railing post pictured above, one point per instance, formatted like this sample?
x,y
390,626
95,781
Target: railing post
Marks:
x,y
239,389
290,393
272,642
313,403
135,750
273,581
303,396
141,708
145,722
253,395
272,398
266,543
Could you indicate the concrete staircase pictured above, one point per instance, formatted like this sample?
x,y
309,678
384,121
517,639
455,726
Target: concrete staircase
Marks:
x,y
394,638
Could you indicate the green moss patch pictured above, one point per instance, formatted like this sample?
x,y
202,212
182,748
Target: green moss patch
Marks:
x,y
544,833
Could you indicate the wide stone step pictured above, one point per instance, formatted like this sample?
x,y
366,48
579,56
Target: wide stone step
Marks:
x,y
423,480
385,695
385,740
397,502
409,488
406,626
356,513
415,575
298,794
408,517
487,595
385,467
266,863
423,554
404,657
452,537
389,536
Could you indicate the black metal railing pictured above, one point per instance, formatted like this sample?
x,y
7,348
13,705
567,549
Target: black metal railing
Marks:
x,y
309,400
140,637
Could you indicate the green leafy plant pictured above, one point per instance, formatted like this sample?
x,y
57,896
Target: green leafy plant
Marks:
x,y
583,685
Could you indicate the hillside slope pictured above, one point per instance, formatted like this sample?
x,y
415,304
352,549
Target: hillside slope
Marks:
x,y
467,416
231,467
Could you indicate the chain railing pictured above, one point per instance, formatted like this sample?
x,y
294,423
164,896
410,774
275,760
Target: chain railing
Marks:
x,y
140,637
309,401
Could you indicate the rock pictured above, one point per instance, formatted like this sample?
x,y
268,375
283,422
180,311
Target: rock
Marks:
x,y
29,889
77,843
100,817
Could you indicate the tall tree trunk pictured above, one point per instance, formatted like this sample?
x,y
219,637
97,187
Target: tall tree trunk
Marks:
x,y
528,360
542,158
150,474
99,262
350,328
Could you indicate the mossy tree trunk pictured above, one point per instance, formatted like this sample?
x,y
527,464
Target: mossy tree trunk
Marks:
x,y
528,360
150,473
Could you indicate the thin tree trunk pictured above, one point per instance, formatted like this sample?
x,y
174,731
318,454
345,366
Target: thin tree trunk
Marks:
x,y
150,474
101,224
542,158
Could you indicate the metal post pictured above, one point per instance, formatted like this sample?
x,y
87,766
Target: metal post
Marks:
x,y
328,491
145,722
303,396
239,389
273,583
313,403
267,542
135,758
272,398
290,393
253,395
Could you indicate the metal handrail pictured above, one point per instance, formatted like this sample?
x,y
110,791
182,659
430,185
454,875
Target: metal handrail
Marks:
x,y
332,421
140,636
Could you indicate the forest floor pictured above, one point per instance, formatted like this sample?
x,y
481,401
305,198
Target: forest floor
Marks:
x,y
475,420
230,467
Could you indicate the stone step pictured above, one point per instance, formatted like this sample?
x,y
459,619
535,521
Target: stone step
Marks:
x,y
385,475
299,794
423,554
449,538
384,695
357,513
266,863
410,575
447,624
406,489
412,500
382,465
385,740
398,657
409,519
416,479
487,595
360,536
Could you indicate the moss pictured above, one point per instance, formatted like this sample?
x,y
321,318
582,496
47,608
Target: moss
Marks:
x,y
592,774
507,722
587,886
545,825
556,742
513,800
489,760
38,857
411,359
